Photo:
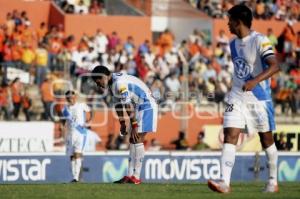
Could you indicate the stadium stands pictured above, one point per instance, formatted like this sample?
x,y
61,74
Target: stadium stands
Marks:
x,y
48,54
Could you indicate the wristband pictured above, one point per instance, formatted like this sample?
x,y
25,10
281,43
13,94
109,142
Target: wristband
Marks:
x,y
134,124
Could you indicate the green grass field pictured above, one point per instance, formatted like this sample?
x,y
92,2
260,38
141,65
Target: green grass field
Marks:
x,y
170,191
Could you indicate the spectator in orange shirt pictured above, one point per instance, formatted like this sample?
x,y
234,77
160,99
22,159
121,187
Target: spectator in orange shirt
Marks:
x,y
16,52
166,41
17,35
4,103
54,48
7,58
70,43
16,88
41,32
47,97
194,48
27,36
26,104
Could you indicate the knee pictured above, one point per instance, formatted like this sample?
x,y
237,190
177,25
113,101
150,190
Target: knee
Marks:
x,y
231,138
266,139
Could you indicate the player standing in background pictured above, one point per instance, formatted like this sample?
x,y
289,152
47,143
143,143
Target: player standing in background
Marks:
x,y
249,103
133,96
74,116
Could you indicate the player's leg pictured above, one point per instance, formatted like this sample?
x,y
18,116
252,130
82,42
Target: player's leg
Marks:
x,y
77,166
79,145
137,158
231,136
270,149
265,124
147,122
70,153
234,121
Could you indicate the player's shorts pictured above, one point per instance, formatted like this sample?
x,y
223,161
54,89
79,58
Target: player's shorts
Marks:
x,y
147,118
76,141
252,115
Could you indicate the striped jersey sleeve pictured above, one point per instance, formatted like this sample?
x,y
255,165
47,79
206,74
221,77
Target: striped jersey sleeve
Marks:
x,y
265,47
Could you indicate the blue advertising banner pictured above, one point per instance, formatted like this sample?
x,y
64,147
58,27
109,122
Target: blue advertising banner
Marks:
x,y
158,167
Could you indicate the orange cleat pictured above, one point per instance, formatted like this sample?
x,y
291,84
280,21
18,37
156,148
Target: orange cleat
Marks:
x,y
218,186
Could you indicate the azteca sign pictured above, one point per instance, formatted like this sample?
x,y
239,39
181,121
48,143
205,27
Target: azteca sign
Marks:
x,y
26,136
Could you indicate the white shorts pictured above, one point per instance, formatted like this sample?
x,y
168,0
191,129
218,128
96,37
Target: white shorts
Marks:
x,y
76,141
252,115
147,119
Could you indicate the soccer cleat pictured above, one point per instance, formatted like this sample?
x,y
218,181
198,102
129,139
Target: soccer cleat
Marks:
x,y
124,180
134,180
218,186
74,181
271,188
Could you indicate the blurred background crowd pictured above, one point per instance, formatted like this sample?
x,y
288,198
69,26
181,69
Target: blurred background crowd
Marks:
x,y
48,55
262,9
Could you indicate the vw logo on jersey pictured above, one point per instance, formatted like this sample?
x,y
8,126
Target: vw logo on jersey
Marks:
x,y
241,68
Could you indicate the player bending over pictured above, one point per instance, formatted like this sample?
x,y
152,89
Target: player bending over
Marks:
x,y
74,115
132,95
249,103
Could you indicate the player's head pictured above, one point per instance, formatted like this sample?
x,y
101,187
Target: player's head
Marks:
x,y
101,76
239,16
71,97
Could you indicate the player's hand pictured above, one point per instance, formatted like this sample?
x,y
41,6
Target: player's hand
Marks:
x,y
249,85
134,136
123,128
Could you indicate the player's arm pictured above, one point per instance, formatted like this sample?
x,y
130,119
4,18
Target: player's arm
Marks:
x,y
267,55
132,115
89,113
120,112
127,104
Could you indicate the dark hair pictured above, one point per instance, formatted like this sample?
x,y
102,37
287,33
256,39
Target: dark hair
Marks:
x,y
243,13
99,70
70,93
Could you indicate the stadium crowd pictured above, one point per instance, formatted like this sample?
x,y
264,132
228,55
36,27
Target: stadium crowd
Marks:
x,y
48,54
262,9
82,6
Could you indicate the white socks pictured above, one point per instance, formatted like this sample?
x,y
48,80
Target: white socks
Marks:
x,y
131,160
272,157
73,167
76,169
136,157
139,157
227,162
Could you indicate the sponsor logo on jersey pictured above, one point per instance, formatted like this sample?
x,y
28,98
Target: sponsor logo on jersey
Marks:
x,y
241,68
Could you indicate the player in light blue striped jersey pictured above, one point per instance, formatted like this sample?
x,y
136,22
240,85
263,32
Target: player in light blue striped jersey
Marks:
x,y
74,117
249,103
134,97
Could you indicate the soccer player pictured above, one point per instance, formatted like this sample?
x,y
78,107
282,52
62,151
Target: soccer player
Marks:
x,y
132,95
249,103
74,117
